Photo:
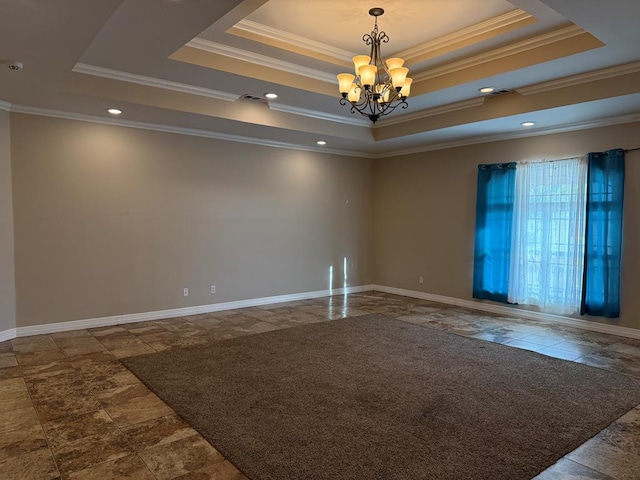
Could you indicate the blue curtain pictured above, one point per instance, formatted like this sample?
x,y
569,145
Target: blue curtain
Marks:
x,y
605,192
494,215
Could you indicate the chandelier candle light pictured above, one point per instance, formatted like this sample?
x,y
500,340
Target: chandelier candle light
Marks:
x,y
378,87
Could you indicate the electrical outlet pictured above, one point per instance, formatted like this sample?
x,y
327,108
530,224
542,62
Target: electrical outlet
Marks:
x,y
185,292
213,289
421,279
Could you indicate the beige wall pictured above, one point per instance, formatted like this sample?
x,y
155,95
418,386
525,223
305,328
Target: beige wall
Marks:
x,y
424,213
7,273
112,220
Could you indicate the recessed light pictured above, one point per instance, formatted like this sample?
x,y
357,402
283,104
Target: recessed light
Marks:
x,y
528,124
487,89
321,142
114,111
271,96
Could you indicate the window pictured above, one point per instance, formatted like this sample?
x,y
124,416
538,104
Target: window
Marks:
x,y
548,239
549,234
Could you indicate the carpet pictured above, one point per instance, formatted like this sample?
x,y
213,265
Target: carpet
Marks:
x,y
376,398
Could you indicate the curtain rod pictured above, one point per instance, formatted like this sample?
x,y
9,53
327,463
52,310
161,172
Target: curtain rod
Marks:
x,y
631,149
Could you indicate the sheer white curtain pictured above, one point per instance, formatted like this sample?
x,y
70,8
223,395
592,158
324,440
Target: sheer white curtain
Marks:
x,y
547,249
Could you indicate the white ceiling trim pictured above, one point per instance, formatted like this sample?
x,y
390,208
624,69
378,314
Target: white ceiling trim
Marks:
x,y
152,82
259,59
573,80
471,32
45,112
5,106
635,117
430,112
499,53
293,40
359,121
272,143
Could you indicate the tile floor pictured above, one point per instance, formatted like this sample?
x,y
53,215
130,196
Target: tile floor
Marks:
x,y
70,410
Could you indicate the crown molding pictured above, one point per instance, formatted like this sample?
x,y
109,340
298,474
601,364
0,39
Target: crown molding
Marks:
x,y
6,106
573,80
44,112
479,29
340,55
280,36
14,108
262,60
152,82
358,121
499,53
605,122
430,112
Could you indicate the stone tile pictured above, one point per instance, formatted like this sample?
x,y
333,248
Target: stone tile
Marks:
x,y
106,331
8,360
608,459
145,328
119,340
156,432
62,407
534,347
624,433
10,372
20,432
13,395
133,350
567,470
88,451
545,340
61,396
178,325
108,375
562,354
85,361
35,465
625,348
617,362
43,345
40,357
183,456
70,334
51,369
130,467
11,387
65,384
133,404
72,428
165,340
218,471
570,346
82,345
498,336
21,341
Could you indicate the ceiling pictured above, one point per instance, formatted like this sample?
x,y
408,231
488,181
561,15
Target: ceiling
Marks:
x,y
184,66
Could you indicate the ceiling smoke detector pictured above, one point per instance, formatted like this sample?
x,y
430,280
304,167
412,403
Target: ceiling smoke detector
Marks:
x,y
15,66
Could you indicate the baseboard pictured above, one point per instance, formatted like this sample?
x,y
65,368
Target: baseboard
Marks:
x,y
254,302
175,312
7,334
515,312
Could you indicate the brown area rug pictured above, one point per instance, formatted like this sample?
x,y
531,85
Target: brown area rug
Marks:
x,y
376,398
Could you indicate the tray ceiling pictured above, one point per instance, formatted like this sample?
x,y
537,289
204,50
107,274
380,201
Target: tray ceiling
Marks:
x,y
185,65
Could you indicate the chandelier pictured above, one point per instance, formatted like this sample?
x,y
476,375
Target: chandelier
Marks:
x,y
378,87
